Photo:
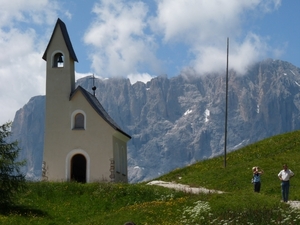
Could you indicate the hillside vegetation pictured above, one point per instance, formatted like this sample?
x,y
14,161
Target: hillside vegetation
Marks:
x,y
114,204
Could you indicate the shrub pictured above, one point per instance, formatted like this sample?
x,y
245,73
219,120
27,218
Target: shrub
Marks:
x,y
11,180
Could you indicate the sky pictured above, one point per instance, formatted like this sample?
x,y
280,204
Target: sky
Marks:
x,y
141,39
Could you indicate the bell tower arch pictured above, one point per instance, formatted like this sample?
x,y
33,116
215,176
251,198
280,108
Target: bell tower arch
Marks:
x,y
57,59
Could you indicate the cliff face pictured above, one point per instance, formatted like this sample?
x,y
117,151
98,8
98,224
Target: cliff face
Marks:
x,y
28,129
178,121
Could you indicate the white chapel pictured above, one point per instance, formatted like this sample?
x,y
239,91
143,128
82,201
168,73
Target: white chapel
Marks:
x,y
82,142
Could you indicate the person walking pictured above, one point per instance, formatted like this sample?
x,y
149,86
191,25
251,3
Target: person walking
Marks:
x,y
285,175
256,178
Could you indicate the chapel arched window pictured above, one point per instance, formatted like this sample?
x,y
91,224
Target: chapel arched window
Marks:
x,y
79,121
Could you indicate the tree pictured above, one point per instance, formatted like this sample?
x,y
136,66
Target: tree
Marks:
x,y
11,179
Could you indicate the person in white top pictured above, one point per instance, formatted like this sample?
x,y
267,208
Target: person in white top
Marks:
x,y
285,175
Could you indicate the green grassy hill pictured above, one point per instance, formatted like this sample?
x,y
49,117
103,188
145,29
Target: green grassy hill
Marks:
x,y
114,204
269,154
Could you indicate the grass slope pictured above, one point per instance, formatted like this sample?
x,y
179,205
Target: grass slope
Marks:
x,y
114,204
269,154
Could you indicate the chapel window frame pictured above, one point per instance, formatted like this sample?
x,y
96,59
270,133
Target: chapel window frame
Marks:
x,y
78,123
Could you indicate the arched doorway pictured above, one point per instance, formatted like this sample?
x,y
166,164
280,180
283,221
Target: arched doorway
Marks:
x,y
78,168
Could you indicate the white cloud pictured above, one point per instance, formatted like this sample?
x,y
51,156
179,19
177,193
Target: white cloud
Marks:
x,y
21,78
143,77
205,25
199,20
82,75
22,70
250,50
269,5
120,46
241,55
28,11
68,14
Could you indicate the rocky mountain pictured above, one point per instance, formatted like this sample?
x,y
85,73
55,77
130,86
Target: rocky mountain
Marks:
x,y
177,121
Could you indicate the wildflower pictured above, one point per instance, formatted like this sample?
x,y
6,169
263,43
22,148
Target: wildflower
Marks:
x,y
196,212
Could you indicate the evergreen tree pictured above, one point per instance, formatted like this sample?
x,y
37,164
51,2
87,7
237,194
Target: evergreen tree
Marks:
x,y
11,179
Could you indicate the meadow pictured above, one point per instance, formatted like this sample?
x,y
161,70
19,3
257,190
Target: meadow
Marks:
x,y
117,203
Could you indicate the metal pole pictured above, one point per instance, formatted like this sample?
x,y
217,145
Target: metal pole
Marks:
x,y
226,107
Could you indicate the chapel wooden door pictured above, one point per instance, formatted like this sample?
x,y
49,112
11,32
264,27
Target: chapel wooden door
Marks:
x,y
78,168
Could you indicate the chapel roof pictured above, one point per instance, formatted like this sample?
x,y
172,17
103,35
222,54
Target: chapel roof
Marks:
x,y
98,108
66,39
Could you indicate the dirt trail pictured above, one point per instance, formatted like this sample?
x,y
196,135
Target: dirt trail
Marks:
x,y
194,190
183,187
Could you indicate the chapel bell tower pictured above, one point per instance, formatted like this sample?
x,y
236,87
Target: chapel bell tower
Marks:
x,y
60,83
60,57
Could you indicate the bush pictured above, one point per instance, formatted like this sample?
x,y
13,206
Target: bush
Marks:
x,y
11,180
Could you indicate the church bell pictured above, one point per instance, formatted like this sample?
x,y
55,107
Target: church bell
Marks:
x,y
60,59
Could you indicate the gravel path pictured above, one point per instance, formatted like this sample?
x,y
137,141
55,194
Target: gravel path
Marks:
x,y
183,187
188,189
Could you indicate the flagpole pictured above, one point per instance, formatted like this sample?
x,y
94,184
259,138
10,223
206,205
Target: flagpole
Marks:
x,y
226,107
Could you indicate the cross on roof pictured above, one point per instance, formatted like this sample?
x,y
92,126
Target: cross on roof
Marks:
x,y
94,87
